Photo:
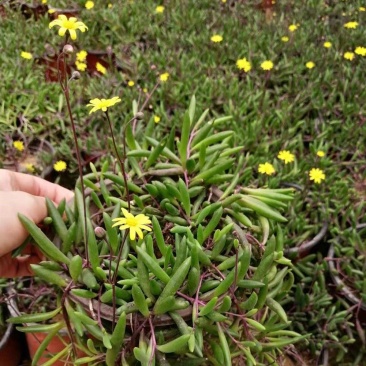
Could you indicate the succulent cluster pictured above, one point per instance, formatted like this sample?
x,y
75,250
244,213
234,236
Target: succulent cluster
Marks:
x,y
203,286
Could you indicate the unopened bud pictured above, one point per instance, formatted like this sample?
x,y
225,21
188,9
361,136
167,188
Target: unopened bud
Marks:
x,y
75,75
139,115
99,232
47,220
68,49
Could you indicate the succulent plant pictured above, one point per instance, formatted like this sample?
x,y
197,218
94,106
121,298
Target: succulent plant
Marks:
x,y
203,287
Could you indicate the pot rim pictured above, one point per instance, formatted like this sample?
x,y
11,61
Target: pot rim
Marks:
x,y
343,288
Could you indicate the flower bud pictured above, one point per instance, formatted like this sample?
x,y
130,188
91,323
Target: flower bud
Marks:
x,y
99,232
139,116
75,75
68,49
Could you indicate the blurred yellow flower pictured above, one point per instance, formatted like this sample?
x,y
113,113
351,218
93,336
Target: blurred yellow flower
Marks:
x,y
51,11
349,56
102,104
266,168
293,27
81,66
159,9
286,156
164,77
100,68
18,145
89,5
310,64
216,38
156,119
317,175
44,1
285,39
362,8
267,65
360,51
144,90
29,168
133,223
110,5
243,64
131,83
327,44
60,166
351,25
320,153
81,55
26,55
68,24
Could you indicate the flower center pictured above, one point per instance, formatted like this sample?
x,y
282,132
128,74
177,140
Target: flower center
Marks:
x,y
68,24
131,221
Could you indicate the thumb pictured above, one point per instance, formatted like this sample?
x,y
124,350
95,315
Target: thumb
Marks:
x,y
12,203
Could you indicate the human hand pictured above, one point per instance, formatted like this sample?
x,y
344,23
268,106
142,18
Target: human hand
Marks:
x,y
25,194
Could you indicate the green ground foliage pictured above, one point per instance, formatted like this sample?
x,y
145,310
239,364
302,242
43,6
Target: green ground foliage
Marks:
x,y
310,103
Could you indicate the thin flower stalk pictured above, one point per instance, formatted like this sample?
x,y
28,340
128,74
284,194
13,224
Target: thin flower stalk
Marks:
x,y
122,159
65,88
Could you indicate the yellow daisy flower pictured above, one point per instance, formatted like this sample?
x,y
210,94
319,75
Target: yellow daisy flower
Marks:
x,y
360,51
100,68
267,65
216,38
81,66
243,64
266,168
349,56
351,25
89,5
26,55
102,104
293,27
18,145
164,77
286,156
317,175
68,24
60,166
134,223
81,55
159,9
29,168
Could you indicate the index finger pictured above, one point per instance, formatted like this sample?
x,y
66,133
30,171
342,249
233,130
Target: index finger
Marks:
x,y
12,181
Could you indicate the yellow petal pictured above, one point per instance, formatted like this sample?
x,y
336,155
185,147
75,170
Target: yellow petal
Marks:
x,y
132,233
72,34
61,32
144,227
126,214
139,232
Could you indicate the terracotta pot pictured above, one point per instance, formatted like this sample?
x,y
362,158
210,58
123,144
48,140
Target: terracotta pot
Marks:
x,y
10,346
302,250
68,12
345,290
52,68
56,345
34,340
